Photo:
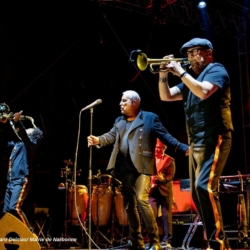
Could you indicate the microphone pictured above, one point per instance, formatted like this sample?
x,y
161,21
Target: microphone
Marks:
x,y
131,60
92,104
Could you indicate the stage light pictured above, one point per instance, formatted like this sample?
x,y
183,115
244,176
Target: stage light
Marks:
x,y
202,4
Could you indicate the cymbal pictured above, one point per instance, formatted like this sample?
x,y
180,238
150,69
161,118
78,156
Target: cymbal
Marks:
x,y
68,162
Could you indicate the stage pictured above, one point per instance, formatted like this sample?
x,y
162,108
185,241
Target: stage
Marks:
x,y
111,230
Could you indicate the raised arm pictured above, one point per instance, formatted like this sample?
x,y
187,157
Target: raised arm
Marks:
x,y
166,93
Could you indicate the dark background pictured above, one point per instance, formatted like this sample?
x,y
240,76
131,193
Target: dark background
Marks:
x,y
57,59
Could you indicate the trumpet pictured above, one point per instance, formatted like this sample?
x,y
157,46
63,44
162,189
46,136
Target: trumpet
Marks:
x,y
143,62
5,113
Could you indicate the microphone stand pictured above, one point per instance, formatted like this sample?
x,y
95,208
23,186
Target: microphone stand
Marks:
x,y
91,108
90,178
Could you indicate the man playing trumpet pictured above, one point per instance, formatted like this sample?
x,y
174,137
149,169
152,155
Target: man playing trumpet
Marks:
x,y
22,155
205,92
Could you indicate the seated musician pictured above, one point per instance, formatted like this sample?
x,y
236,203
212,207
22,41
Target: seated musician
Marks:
x,y
161,192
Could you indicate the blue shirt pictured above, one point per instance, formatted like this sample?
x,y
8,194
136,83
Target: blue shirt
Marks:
x,y
212,116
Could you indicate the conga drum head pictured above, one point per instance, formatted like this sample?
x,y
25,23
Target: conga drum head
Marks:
x,y
105,179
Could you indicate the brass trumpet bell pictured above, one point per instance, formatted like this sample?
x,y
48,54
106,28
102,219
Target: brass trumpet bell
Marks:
x,y
143,62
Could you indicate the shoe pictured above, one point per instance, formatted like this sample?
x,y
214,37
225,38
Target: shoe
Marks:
x,y
209,248
135,247
169,246
163,244
153,247
216,246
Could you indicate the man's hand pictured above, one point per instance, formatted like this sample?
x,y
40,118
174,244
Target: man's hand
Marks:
x,y
93,140
17,116
3,119
175,68
163,72
6,117
159,177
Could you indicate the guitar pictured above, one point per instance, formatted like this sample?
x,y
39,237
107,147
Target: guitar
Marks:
x,y
161,166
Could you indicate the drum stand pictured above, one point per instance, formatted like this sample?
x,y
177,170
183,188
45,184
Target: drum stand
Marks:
x,y
65,234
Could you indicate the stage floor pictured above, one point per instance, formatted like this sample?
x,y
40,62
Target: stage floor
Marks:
x,y
191,248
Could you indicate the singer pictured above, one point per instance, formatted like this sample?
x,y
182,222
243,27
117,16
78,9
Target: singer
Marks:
x,y
20,172
134,136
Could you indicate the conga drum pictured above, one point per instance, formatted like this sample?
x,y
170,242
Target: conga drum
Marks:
x,y
119,207
101,202
81,203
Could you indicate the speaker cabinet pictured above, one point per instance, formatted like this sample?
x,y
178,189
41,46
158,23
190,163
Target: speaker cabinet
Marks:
x,y
15,235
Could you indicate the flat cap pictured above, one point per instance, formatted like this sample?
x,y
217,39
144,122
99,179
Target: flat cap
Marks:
x,y
196,42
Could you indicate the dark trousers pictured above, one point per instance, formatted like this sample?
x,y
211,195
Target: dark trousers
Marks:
x,y
135,188
156,200
207,159
16,192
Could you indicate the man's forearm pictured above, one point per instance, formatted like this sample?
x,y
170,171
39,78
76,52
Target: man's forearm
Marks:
x,y
163,86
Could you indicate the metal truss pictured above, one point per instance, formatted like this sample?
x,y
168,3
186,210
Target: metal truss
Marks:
x,y
221,20
183,12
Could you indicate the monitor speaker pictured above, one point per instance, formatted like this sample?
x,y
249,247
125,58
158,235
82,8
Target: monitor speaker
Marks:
x,y
15,235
